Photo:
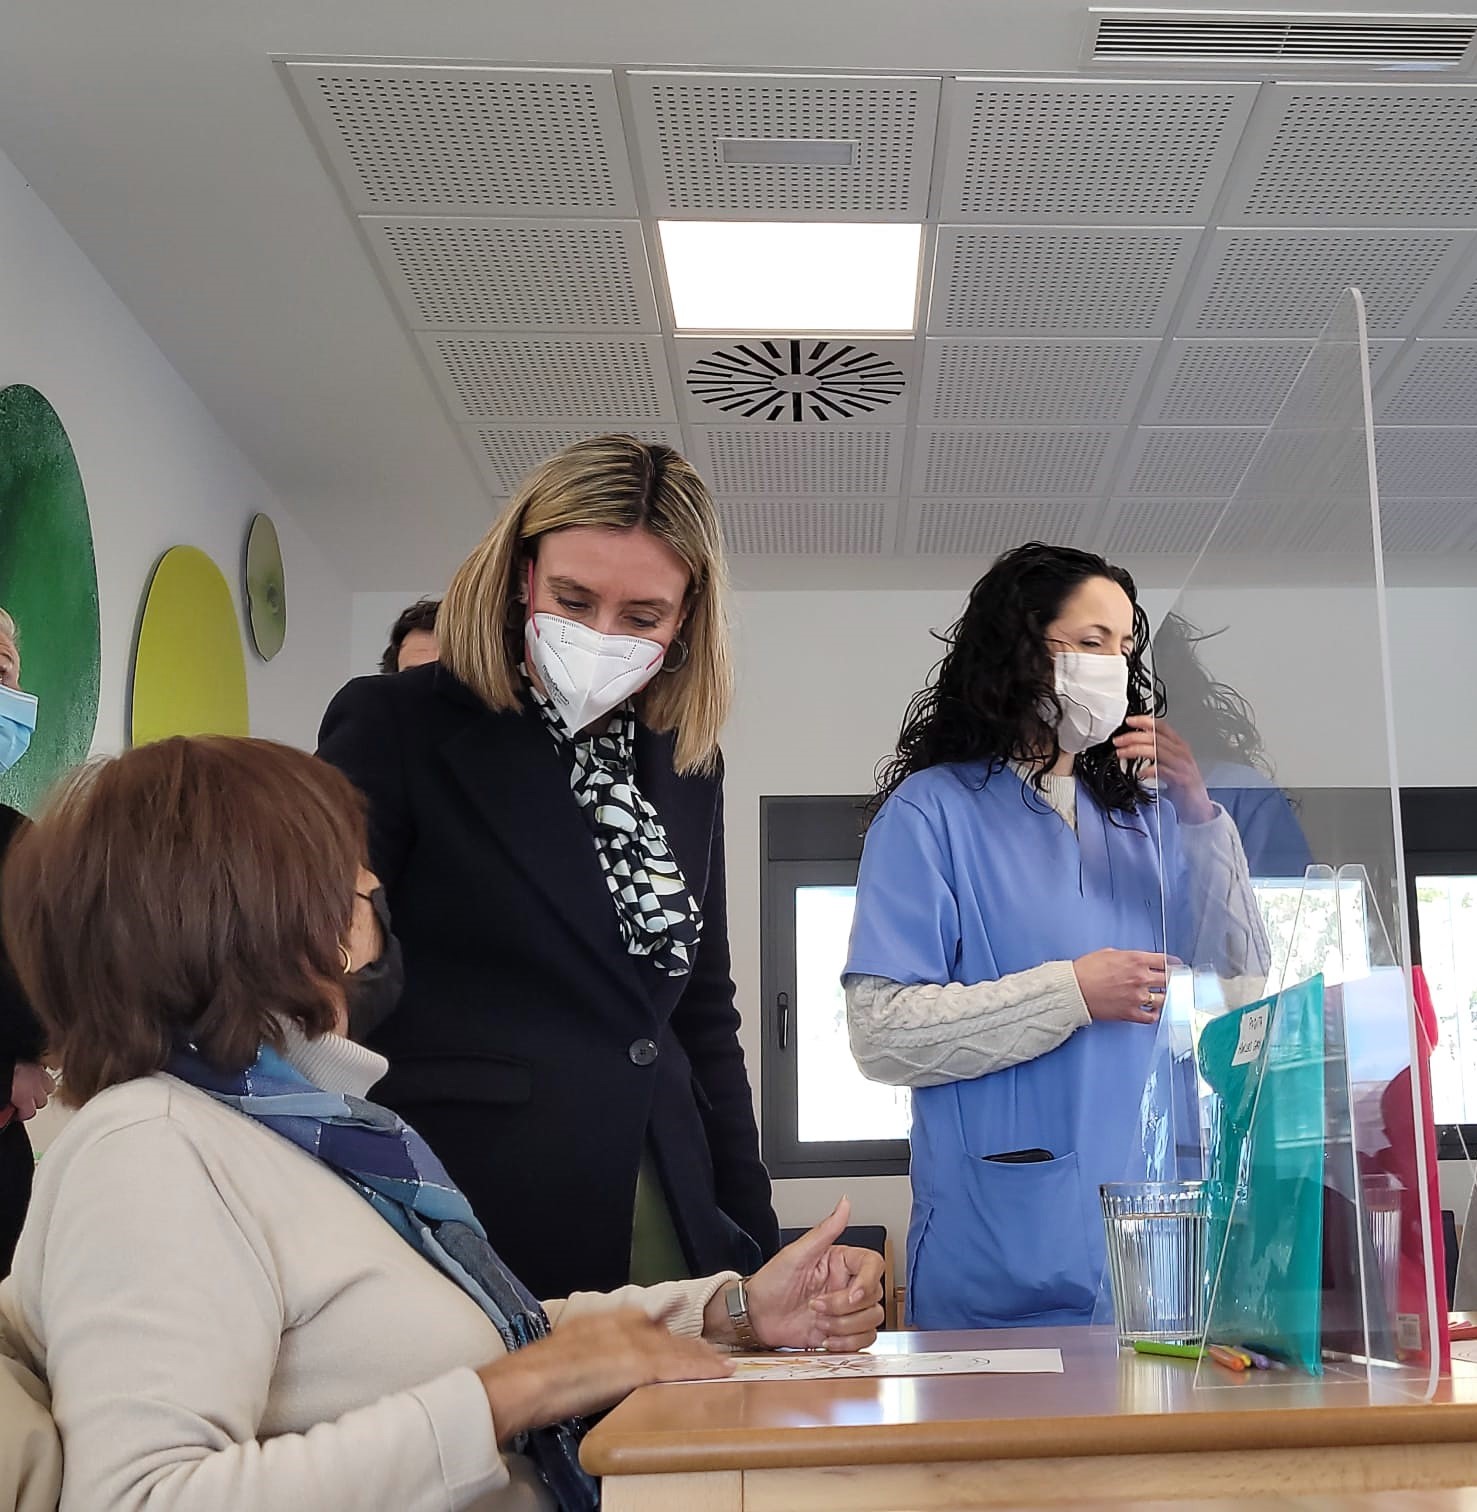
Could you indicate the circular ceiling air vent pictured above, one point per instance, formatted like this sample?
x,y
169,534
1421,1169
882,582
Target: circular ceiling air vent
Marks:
x,y
794,381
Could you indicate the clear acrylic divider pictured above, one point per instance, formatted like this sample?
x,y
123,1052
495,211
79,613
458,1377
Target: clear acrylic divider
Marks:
x,y
1287,1075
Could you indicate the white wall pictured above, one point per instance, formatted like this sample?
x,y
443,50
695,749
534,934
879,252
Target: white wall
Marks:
x,y
158,470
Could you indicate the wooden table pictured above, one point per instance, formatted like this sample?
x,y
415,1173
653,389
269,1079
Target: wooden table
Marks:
x,y
1114,1427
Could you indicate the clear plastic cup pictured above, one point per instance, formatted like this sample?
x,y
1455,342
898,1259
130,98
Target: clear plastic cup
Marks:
x,y
1156,1259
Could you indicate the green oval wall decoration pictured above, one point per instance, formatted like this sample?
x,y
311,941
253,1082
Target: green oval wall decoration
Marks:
x,y
266,588
48,583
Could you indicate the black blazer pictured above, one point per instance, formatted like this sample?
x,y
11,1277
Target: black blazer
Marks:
x,y
534,1053
20,1040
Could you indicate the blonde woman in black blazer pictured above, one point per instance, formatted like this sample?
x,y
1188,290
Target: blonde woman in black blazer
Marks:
x,y
546,814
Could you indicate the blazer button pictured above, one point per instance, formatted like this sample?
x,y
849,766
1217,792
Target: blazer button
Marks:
x,y
642,1052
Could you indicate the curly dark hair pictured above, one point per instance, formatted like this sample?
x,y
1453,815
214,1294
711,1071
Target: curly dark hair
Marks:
x,y
420,616
984,700
1216,721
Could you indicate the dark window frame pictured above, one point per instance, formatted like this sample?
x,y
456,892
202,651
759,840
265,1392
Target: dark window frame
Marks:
x,y
804,841
1434,823
818,841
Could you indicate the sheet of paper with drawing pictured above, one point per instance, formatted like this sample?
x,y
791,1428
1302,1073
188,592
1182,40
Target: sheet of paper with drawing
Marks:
x,y
870,1365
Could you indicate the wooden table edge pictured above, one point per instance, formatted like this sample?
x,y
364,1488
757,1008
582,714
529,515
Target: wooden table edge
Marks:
x,y
607,1452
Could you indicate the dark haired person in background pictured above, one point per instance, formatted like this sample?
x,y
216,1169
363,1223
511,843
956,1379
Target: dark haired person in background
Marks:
x,y
24,1084
1008,957
413,638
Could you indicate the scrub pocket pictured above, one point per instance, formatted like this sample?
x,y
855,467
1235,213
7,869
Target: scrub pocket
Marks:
x,y
1007,1244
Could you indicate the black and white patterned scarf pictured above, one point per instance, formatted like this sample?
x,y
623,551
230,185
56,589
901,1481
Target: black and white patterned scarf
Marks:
x,y
656,913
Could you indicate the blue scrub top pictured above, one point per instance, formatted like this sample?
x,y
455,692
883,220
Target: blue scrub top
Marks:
x,y
1271,836
968,875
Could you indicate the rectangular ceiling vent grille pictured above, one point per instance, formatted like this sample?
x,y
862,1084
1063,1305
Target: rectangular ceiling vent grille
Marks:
x,y
1311,38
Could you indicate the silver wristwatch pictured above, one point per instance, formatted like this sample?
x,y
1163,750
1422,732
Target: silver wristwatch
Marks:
x,y
736,1299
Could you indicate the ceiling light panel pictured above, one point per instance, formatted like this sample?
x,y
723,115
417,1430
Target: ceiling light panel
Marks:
x,y
1000,463
1259,282
1185,463
1034,382
404,140
556,379
1099,151
767,276
808,527
785,147
1072,281
830,460
507,454
795,380
1365,155
545,274
1234,382
984,528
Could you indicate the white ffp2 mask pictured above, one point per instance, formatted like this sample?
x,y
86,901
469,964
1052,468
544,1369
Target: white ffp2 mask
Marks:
x,y
587,674
1093,693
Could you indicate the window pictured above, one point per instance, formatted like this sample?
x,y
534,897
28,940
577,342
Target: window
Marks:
x,y
821,1115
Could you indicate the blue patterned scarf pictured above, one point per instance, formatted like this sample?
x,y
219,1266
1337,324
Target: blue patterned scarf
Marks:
x,y
395,1171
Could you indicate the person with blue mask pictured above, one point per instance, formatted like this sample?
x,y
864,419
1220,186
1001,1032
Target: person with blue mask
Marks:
x,y
24,1084
1012,940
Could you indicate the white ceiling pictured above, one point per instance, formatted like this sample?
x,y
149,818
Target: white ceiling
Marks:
x,y
441,271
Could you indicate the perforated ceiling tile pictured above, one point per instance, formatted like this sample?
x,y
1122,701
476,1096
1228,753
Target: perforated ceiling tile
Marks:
x,y
1419,462
948,527
785,147
1426,525
1187,463
807,527
507,455
1454,313
1160,527
748,461
1235,382
554,275
1024,281
1100,150
486,378
1286,282
793,380
403,139
1001,463
1034,382
1331,154
1434,384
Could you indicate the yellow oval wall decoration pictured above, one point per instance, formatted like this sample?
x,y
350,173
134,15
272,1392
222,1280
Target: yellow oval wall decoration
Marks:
x,y
189,671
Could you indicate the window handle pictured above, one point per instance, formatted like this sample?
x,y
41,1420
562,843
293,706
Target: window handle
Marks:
x,y
782,1004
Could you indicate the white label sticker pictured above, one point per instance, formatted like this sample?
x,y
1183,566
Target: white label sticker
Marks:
x,y
1253,1033
1408,1331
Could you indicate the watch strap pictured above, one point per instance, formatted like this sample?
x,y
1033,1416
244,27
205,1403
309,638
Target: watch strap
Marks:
x,y
736,1300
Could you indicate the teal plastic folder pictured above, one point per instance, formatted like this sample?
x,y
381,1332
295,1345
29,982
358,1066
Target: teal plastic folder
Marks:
x,y
1264,1240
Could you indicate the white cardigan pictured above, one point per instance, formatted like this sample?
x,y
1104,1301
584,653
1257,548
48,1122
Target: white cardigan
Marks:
x,y
227,1326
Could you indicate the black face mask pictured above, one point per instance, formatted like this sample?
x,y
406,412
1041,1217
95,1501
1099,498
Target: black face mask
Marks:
x,y
374,990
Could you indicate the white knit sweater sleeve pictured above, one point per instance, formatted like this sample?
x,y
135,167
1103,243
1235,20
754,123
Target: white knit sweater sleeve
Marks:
x,y
1224,919
925,1035
160,1366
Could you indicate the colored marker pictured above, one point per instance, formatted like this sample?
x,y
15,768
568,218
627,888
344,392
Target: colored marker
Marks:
x,y
1228,1358
1174,1351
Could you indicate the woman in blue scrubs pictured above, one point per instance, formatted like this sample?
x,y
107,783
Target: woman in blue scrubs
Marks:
x,y
1008,957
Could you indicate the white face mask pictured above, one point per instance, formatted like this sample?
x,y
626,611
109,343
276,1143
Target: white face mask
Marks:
x,y
585,673
1093,693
